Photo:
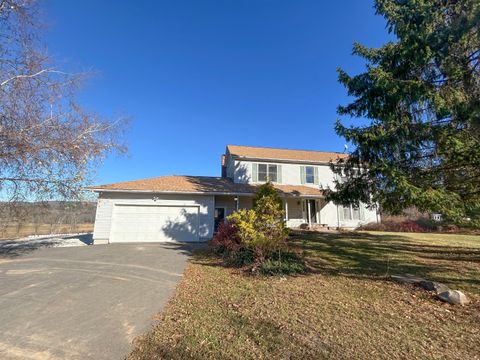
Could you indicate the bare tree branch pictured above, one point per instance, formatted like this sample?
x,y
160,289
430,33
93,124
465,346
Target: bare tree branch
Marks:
x,y
49,144
23,76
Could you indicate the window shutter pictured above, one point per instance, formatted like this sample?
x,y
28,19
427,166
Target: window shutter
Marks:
x,y
361,208
315,175
340,213
303,180
279,174
254,172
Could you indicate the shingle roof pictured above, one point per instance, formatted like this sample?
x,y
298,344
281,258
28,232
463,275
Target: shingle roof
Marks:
x,y
283,154
180,183
200,184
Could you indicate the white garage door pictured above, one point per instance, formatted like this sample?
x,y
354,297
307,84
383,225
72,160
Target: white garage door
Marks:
x,y
133,223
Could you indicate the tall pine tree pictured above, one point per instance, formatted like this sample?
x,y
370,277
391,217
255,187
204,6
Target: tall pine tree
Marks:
x,y
421,96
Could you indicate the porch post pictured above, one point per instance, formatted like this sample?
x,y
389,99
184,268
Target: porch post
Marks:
x,y
286,210
309,213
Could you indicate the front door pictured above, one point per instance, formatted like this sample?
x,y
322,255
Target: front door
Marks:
x,y
219,217
313,211
310,216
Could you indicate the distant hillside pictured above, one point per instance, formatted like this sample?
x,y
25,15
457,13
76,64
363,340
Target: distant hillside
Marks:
x,y
52,217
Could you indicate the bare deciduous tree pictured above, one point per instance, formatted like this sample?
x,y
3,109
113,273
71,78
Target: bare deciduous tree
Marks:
x,y
49,145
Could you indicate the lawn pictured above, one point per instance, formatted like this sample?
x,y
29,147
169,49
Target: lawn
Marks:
x,y
345,307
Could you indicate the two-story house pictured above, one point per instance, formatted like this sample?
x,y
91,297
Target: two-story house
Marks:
x,y
189,208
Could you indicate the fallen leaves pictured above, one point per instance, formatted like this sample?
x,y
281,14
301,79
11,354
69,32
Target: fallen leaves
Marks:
x,y
221,313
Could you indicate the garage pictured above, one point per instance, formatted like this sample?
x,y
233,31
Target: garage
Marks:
x,y
151,223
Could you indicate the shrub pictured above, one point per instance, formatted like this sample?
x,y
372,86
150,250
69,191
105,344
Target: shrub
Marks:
x,y
403,226
410,226
373,227
452,228
226,239
283,263
258,237
241,257
428,224
261,230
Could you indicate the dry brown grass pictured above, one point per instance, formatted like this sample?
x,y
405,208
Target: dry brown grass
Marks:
x,y
13,231
345,308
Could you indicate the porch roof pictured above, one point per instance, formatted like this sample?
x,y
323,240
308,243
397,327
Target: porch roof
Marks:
x,y
299,191
201,185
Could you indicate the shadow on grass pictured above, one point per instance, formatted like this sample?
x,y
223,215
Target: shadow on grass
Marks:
x,y
379,256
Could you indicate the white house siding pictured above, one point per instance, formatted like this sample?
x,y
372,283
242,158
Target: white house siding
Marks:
x,y
103,219
226,202
108,200
295,214
290,173
328,215
245,202
368,216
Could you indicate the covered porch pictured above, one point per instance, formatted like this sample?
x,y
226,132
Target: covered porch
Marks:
x,y
305,210
298,210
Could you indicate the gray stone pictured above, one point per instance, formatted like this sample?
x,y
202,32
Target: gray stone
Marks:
x,y
454,297
433,286
407,279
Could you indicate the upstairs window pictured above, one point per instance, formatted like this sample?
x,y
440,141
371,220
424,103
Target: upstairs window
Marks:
x,y
262,172
309,175
265,172
272,173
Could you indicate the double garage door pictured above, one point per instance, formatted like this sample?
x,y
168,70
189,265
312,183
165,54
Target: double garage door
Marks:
x,y
134,223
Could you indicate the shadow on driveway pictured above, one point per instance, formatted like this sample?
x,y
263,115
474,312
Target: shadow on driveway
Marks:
x,y
14,248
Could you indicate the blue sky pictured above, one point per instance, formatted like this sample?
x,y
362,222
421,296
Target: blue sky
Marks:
x,y
197,75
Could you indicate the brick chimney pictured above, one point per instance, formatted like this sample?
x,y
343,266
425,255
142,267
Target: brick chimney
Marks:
x,y
224,166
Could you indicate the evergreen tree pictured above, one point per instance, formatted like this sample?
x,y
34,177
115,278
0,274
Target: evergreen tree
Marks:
x,y
421,96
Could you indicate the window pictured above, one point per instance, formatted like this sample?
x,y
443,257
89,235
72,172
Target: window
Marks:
x,y
309,175
262,172
267,172
351,213
272,173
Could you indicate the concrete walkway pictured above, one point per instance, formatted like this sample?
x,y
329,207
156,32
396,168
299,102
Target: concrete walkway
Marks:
x,y
84,302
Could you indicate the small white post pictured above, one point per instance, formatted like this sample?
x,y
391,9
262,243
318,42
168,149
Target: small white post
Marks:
x,y
309,213
286,210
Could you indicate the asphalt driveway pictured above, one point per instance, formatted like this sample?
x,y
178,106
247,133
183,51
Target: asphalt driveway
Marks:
x,y
85,302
